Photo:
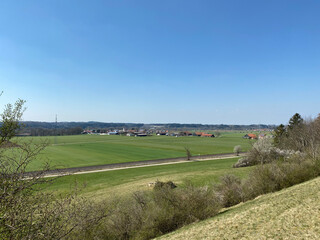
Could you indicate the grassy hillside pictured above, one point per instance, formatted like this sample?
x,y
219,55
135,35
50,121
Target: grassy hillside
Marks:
x,y
104,184
89,150
292,213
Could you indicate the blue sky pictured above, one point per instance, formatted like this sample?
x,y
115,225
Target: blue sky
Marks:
x,y
232,62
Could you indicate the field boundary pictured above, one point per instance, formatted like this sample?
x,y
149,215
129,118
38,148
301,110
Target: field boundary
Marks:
x,y
136,164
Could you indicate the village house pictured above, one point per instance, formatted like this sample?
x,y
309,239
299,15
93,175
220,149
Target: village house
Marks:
x,y
113,133
207,135
250,136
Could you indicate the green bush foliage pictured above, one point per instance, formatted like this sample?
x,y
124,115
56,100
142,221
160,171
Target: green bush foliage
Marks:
x,y
148,214
229,190
159,185
277,175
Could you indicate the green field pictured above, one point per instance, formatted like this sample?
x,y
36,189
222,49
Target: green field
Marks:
x,y
107,184
89,150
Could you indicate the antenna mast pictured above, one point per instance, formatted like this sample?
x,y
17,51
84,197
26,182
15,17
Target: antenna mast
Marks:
x,y
55,130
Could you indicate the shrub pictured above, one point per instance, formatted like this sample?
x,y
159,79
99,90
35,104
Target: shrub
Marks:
x,y
278,175
243,162
146,215
159,185
263,152
182,206
229,190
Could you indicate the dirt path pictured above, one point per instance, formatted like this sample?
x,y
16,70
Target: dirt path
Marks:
x,y
137,164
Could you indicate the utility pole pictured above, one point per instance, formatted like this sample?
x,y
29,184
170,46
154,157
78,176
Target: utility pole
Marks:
x,y
55,130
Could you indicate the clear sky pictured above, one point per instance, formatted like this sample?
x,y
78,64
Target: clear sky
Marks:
x,y
232,62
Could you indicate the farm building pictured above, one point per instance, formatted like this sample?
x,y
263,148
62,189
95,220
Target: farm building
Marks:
x,y
161,133
250,136
202,134
141,135
113,133
207,135
186,133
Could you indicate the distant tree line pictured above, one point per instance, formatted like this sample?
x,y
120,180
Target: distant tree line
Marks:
x,y
178,126
83,125
169,126
53,132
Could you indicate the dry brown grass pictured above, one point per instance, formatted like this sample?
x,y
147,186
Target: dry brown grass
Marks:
x,y
293,213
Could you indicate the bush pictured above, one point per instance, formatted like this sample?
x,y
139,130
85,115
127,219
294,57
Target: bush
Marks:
x,y
263,152
146,215
277,175
243,162
159,185
175,208
229,190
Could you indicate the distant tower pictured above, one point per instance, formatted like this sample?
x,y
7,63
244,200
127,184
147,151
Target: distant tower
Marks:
x,y
55,130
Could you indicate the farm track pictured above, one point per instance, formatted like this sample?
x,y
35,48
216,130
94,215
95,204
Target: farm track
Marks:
x,y
118,166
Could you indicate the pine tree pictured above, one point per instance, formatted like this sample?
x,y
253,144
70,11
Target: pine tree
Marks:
x,y
279,134
295,121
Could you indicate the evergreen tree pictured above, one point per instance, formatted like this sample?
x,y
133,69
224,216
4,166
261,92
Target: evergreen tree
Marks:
x,y
295,121
279,134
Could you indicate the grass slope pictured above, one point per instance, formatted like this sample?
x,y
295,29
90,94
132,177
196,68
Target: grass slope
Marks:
x,y
89,150
293,213
107,184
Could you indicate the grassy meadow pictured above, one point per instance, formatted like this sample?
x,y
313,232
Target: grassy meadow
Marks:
x,y
89,150
292,213
107,184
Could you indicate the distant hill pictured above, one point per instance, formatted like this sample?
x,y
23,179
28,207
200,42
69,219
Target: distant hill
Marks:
x,y
83,125
173,126
292,213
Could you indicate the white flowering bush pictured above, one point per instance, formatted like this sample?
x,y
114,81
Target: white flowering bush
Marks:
x,y
264,152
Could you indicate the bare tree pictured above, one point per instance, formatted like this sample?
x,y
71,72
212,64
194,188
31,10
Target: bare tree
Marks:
x,y
188,153
27,212
237,149
10,120
310,138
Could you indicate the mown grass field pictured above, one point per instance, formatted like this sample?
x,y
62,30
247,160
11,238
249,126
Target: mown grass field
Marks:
x,y
104,185
292,213
89,150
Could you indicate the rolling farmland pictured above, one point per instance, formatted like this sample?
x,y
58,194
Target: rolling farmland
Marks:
x,y
90,150
102,185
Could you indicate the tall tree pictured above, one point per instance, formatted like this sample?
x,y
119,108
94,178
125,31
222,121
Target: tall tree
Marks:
x,y
295,120
295,134
279,135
